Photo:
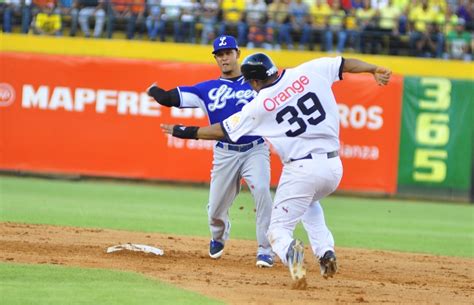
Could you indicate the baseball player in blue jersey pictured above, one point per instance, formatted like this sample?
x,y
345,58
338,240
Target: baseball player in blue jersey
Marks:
x,y
246,158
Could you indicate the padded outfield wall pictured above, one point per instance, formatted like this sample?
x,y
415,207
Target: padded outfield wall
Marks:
x,y
76,106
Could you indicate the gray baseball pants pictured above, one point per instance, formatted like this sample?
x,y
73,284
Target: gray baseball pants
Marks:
x,y
229,167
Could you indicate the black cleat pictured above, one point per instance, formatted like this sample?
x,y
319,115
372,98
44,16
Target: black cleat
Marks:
x,y
328,264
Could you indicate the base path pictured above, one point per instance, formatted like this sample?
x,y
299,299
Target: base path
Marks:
x,y
364,276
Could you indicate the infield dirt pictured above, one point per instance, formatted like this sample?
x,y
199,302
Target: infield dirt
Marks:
x,y
364,276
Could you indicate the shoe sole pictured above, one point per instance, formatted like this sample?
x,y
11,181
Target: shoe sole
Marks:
x,y
297,269
263,264
216,255
329,268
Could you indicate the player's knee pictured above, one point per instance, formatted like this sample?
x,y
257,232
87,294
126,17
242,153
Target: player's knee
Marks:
x,y
216,221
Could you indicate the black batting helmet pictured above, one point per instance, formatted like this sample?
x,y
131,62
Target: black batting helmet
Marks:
x,y
258,66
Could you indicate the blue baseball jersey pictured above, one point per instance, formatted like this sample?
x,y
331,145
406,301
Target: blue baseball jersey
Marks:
x,y
219,98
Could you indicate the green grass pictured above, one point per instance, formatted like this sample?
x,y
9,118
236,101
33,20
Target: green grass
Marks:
x,y
43,284
437,228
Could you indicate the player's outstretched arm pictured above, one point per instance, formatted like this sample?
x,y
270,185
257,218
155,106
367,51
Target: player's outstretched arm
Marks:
x,y
381,74
166,98
213,132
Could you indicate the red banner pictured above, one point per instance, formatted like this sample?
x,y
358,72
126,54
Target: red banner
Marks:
x,y
91,116
370,132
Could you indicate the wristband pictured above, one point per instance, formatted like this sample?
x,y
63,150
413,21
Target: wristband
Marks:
x,y
155,92
185,132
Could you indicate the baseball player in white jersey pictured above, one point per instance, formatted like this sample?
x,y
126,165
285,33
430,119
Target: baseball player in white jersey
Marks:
x,y
297,113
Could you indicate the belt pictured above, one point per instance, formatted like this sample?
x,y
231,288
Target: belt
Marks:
x,y
330,155
241,147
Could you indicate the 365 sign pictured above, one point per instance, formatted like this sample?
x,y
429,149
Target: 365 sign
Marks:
x,y
432,131
435,149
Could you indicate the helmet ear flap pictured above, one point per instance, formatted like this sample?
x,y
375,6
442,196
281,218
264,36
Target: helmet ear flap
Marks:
x,y
258,66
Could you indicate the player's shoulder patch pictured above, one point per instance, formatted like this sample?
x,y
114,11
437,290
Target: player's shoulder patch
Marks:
x,y
233,121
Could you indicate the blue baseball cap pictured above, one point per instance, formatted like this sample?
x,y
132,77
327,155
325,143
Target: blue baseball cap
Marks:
x,y
224,42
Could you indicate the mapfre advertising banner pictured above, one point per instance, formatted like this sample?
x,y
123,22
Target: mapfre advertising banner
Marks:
x,y
91,116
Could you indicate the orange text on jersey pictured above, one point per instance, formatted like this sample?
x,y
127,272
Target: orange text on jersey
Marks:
x,y
296,87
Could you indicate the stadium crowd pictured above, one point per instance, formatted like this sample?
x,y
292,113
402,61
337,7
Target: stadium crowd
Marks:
x,y
423,28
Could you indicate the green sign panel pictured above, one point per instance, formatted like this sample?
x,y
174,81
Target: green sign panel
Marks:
x,y
436,136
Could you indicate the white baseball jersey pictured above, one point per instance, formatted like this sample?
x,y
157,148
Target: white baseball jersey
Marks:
x,y
297,114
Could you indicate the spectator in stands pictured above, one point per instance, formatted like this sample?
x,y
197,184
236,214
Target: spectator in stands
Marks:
x,y
300,21
388,16
89,9
465,11
388,25
356,4
420,17
458,42
439,6
233,18
367,27
401,4
403,24
154,23
431,42
39,5
69,12
378,4
346,5
259,35
128,11
47,22
335,27
277,17
189,13
284,31
172,15
352,24
208,19
448,20
352,30
255,13
17,7
320,12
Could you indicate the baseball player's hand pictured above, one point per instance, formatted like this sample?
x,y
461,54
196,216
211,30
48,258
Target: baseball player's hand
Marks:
x,y
151,88
167,128
382,75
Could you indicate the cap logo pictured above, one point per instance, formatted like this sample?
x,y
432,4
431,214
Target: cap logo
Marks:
x,y
223,42
272,71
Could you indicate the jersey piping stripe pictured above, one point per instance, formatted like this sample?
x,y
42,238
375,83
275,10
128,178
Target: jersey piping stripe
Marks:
x,y
276,82
232,79
227,138
341,68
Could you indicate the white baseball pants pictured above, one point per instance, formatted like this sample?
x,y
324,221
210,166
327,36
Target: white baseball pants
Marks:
x,y
302,184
